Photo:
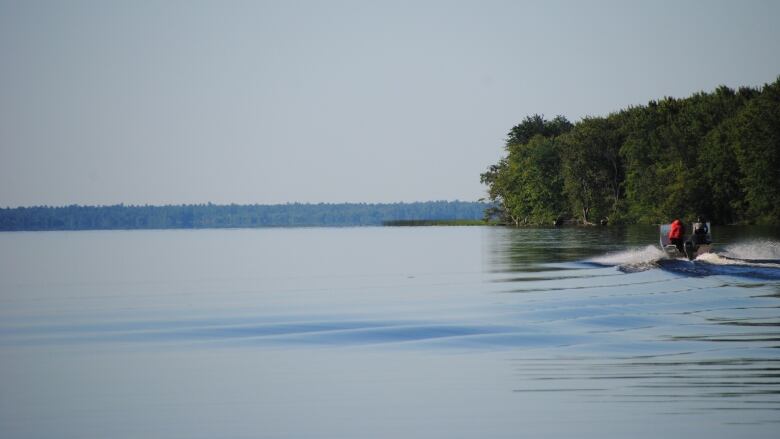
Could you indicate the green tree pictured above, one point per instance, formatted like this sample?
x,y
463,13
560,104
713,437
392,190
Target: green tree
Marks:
x,y
526,185
756,137
536,125
716,154
592,168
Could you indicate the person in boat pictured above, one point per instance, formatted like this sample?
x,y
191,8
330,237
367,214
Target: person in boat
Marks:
x,y
700,232
676,234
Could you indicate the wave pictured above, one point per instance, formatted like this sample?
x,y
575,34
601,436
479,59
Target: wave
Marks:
x,y
755,259
341,331
706,267
754,251
633,259
722,259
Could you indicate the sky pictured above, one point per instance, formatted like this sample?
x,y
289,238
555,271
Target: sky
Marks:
x,y
172,102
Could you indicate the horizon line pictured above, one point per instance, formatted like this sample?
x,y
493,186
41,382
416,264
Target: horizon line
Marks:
x,y
209,203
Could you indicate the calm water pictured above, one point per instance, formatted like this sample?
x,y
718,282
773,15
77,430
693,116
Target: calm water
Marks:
x,y
387,332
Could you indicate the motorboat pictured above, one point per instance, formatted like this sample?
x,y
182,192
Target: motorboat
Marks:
x,y
697,240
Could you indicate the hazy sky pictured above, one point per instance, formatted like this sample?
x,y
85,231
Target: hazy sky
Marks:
x,y
104,102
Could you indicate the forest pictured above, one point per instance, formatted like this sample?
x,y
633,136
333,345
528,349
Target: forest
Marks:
x,y
713,154
199,216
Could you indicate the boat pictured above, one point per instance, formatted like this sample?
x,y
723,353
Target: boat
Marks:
x,y
694,244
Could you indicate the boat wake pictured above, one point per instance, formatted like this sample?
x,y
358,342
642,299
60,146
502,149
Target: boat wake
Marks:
x,y
755,259
631,260
759,251
723,259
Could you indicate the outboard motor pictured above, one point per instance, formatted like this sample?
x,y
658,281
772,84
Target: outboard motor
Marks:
x,y
690,250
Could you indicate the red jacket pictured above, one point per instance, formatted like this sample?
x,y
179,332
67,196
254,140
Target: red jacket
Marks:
x,y
677,230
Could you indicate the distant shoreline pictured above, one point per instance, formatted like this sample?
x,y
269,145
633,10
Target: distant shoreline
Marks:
x,y
424,223
213,216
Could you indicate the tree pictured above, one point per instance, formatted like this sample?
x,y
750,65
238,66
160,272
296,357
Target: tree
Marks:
x,y
756,137
715,154
526,186
592,167
536,125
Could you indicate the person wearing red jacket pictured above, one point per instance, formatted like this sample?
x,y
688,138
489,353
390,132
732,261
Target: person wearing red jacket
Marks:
x,y
676,233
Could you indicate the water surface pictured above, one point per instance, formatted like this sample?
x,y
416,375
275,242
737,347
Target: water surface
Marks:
x,y
387,332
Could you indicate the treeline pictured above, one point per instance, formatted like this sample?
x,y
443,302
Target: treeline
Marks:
x,y
199,216
712,154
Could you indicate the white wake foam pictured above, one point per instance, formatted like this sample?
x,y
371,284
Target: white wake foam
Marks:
x,y
753,250
631,257
716,259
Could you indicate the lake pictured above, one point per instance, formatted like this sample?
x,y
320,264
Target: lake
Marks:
x,y
430,332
